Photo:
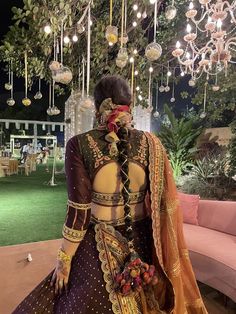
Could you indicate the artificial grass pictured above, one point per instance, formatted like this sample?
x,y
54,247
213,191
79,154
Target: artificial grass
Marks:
x,y
31,210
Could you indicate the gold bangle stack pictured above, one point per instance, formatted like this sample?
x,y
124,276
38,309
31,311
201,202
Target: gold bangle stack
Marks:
x,y
62,256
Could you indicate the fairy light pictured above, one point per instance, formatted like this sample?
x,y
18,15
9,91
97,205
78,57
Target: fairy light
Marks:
x,y
139,15
151,69
140,97
47,29
137,88
66,40
110,44
75,38
135,72
191,6
135,51
152,1
135,7
134,24
182,73
91,23
189,28
131,60
178,45
169,73
188,55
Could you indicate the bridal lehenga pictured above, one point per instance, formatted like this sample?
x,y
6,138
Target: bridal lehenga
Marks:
x,y
158,236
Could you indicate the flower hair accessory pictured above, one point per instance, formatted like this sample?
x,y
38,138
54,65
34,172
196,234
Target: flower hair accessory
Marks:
x,y
113,117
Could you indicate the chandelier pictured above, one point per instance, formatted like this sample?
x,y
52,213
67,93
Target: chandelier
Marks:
x,y
210,38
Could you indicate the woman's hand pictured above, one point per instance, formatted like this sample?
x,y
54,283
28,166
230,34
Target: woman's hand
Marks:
x,y
61,275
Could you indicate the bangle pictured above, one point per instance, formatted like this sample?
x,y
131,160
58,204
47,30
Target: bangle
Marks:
x,y
62,256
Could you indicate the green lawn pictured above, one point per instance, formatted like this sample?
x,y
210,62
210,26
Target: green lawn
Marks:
x,y
31,210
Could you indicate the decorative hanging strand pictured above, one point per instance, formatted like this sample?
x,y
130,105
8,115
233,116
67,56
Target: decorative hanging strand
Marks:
x,y
205,98
132,79
150,89
111,9
155,22
11,81
26,75
125,18
122,22
88,48
83,77
62,31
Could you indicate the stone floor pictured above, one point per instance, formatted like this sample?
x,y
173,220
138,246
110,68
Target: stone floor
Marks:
x,y
18,276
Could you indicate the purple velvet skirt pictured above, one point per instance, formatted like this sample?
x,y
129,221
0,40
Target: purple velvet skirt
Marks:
x,y
87,289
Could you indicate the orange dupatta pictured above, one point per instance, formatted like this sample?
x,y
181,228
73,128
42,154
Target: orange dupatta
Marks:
x,y
170,250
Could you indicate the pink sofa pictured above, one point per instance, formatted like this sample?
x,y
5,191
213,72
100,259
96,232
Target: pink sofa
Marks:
x,y
212,245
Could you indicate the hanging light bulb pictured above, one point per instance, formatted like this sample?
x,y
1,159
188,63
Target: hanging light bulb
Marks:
x,y
66,40
75,38
169,73
140,97
47,29
137,88
135,7
135,72
151,69
134,24
131,60
110,44
191,6
178,45
188,55
135,51
152,1
139,15
189,28
182,73
91,23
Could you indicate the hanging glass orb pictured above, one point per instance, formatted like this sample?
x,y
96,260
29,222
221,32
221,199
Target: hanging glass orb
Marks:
x,y
26,102
172,99
123,54
170,12
63,75
8,86
112,34
11,102
156,114
153,51
55,111
38,95
192,83
120,63
203,115
167,89
161,89
49,111
54,65
215,88
87,103
80,28
125,39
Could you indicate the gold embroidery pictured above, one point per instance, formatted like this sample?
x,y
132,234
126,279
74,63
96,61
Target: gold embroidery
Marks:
x,y
195,303
113,249
115,222
175,270
72,234
184,253
78,205
117,198
142,152
97,154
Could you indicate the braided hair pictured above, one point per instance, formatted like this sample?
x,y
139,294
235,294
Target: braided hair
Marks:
x,y
117,89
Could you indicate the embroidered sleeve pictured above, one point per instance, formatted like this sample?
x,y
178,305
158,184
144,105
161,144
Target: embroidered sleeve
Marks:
x,y
79,194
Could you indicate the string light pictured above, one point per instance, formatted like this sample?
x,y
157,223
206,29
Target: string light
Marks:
x,y
66,40
189,28
137,88
75,38
135,7
178,45
139,15
169,73
110,44
140,97
134,24
151,69
182,73
152,1
131,60
135,72
135,51
91,23
47,29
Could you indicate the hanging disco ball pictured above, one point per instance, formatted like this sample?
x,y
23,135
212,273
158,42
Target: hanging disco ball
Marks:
x,y
167,89
161,88
38,95
8,86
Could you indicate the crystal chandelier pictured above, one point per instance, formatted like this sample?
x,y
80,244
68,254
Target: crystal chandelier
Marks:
x,y
210,38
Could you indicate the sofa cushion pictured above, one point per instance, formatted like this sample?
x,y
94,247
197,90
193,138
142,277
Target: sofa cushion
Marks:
x,y
214,256
189,205
218,215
